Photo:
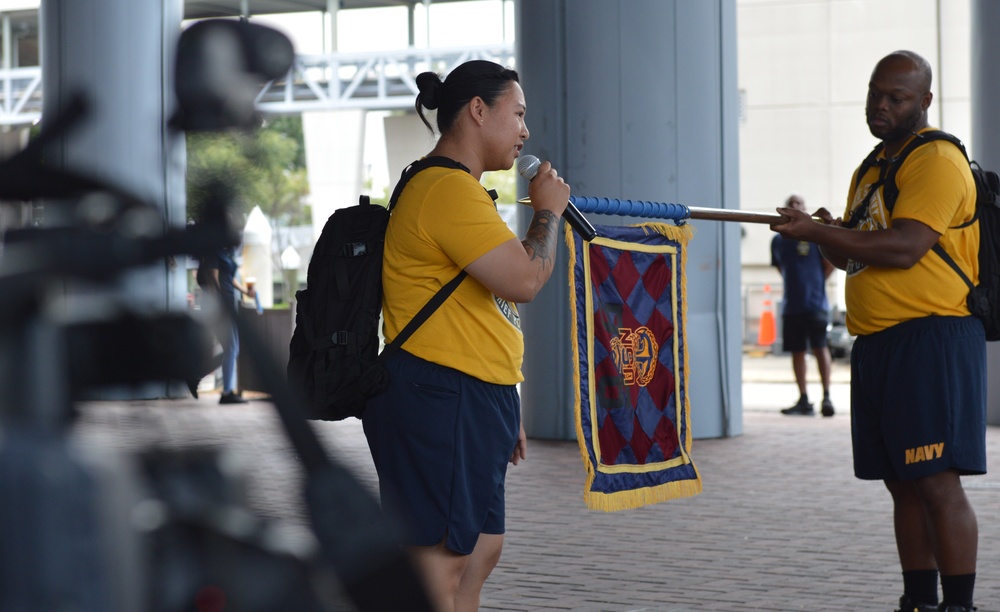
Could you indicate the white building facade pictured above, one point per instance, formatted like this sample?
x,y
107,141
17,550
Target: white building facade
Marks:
x,y
803,77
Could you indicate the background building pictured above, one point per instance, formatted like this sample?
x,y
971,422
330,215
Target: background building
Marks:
x,y
804,67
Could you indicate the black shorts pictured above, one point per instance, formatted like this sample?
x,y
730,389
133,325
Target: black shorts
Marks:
x,y
441,441
803,331
918,399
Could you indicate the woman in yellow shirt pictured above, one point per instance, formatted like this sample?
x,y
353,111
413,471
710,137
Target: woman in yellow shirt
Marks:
x,y
443,433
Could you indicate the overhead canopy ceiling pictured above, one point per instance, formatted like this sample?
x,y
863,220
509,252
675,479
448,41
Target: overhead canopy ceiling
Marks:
x,y
200,9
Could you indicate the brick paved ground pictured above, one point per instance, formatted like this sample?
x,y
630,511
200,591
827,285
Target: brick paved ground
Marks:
x,y
781,524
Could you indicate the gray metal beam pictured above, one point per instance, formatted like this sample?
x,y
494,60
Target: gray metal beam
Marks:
x,y
200,9
371,81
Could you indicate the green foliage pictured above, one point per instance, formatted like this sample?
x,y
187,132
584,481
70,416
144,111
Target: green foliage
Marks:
x,y
263,167
216,167
505,182
290,126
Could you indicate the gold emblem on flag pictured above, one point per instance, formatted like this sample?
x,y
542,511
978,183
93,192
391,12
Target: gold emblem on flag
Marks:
x,y
635,352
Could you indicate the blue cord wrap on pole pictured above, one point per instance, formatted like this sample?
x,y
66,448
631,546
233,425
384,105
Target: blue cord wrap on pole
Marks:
x,y
631,208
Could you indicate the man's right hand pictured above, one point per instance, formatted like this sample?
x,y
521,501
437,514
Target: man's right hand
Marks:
x,y
793,223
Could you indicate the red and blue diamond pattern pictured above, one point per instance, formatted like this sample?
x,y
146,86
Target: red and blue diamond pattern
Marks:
x,y
633,421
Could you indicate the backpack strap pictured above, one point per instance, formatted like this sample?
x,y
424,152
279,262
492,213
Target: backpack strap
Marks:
x,y
871,161
438,298
360,248
890,192
867,164
937,248
417,166
424,314
888,169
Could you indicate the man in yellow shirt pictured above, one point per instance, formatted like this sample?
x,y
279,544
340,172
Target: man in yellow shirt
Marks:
x,y
918,367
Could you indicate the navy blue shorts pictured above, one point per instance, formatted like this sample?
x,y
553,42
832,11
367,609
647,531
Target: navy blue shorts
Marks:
x,y
801,331
918,399
441,441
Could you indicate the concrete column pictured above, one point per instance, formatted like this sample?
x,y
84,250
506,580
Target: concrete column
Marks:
x,y
334,143
406,140
986,138
120,54
637,99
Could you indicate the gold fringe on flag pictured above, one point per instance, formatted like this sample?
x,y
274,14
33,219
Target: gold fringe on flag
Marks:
x,y
671,487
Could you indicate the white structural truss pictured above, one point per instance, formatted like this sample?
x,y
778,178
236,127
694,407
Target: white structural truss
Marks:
x,y
375,80
20,95
378,80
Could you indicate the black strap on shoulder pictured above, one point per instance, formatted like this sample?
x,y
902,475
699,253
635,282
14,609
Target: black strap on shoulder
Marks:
x,y
438,298
932,135
867,164
415,167
890,192
424,314
873,159
937,248
888,167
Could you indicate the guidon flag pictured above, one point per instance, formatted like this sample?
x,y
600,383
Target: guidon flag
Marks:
x,y
633,417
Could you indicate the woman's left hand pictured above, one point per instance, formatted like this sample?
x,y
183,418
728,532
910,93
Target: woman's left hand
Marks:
x,y
521,448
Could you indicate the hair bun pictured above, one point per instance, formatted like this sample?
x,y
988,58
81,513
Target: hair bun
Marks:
x,y
430,85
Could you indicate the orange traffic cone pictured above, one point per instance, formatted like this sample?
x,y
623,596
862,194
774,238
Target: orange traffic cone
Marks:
x,y
766,330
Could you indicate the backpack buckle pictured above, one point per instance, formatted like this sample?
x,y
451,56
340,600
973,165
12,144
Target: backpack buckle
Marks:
x,y
339,338
355,249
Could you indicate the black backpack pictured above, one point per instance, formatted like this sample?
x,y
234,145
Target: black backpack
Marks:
x,y
984,298
334,351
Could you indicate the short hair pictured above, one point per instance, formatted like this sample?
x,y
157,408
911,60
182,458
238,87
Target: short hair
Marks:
x,y
922,66
485,79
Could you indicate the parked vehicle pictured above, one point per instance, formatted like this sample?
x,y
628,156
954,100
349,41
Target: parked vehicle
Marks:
x,y
839,340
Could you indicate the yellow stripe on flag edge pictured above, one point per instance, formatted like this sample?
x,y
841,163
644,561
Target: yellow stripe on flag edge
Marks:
x,y
627,500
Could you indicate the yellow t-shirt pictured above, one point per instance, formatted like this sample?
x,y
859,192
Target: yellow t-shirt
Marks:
x,y
444,220
936,188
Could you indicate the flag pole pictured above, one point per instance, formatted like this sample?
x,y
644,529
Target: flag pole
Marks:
x,y
662,210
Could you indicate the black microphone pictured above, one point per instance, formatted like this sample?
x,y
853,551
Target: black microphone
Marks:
x,y
527,166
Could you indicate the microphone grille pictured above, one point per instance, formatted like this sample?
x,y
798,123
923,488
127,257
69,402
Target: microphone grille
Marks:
x,y
527,166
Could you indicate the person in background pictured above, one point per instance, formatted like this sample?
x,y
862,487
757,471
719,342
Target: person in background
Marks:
x,y
219,273
918,366
442,434
805,312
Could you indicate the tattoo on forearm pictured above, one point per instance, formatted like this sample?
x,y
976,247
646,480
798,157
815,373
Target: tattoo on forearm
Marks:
x,y
540,241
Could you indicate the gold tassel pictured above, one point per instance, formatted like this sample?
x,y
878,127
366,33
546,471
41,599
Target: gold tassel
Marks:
x,y
627,500
577,417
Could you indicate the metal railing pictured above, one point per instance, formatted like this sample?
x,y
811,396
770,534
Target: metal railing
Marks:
x,y
375,81
378,80
20,95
